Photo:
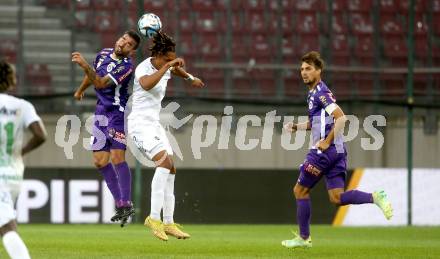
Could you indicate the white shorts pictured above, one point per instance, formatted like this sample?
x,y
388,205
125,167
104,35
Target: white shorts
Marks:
x,y
149,138
10,185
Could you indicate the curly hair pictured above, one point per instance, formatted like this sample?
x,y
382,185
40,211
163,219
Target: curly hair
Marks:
x,y
6,76
162,43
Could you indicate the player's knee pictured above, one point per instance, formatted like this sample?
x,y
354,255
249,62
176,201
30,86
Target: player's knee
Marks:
x,y
335,199
100,162
10,226
165,161
117,159
300,192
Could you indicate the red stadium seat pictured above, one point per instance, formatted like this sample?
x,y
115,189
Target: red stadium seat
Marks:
x,y
255,22
210,48
100,5
364,50
234,5
82,19
293,85
206,22
286,23
152,6
308,43
339,5
436,21
187,46
309,5
236,22
254,5
83,5
363,85
39,76
264,82
340,50
361,23
261,48
286,5
106,21
288,50
396,50
214,81
364,6
388,6
391,25
393,85
341,86
8,49
420,6
204,5
435,6
186,23
307,23
339,23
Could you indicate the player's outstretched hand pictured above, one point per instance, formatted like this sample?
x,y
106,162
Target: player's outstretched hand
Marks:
x,y
177,62
290,127
197,83
78,95
79,59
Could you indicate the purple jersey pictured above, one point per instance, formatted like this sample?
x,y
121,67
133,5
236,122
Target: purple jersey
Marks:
x,y
120,71
321,104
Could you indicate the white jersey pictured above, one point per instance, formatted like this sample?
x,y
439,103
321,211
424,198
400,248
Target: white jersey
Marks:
x,y
15,116
146,105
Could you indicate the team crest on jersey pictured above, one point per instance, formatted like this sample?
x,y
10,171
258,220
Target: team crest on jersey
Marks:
x,y
110,67
310,105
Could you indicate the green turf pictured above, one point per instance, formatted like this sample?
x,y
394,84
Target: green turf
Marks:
x,y
227,241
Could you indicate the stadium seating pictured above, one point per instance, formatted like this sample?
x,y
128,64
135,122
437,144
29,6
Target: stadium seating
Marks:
x,y
351,38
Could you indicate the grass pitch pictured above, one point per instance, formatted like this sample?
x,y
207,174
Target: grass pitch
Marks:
x,y
227,241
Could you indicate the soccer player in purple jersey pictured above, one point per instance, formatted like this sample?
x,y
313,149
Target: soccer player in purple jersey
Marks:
x,y
328,157
111,73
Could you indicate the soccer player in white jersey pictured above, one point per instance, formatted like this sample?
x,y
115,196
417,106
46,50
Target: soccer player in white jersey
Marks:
x,y
151,77
15,116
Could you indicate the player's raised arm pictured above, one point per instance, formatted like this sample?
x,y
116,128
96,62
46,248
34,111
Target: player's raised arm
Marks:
x,y
99,82
180,71
79,93
149,81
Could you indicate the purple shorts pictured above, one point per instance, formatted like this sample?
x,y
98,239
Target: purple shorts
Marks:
x,y
111,136
329,163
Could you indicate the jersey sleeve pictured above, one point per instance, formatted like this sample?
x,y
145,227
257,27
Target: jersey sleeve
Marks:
x,y
29,114
327,101
121,73
143,69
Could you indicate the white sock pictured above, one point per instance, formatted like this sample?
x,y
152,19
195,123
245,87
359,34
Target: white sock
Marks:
x,y
158,185
169,201
15,246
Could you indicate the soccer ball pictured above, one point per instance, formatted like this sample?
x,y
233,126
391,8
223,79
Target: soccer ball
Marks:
x,y
149,24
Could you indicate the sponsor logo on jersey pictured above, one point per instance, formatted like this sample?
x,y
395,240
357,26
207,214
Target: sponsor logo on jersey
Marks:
x,y
5,111
311,169
110,67
121,78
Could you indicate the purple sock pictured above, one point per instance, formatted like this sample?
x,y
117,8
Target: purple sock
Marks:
x,y
124,181
303,215
356,197
111,179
